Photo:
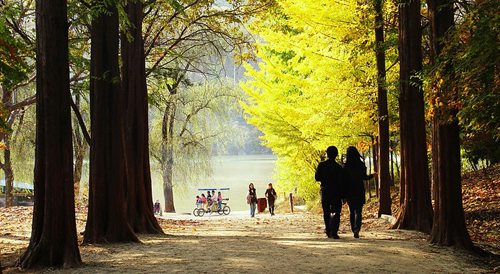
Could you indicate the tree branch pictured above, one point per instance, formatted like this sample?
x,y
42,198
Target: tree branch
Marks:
x,y
28,101
80,121
395,62
87,5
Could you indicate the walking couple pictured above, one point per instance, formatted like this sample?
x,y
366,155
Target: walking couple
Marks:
x,y
339,184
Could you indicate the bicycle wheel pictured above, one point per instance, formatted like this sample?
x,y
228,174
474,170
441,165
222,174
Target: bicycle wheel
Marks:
x,y
195,212
201,212
226,210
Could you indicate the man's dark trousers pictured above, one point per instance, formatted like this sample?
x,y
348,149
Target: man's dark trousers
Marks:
x,y
332,207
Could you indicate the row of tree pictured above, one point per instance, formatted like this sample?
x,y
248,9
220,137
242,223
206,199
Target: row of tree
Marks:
x,y
120,183
187,45
328,76
177,48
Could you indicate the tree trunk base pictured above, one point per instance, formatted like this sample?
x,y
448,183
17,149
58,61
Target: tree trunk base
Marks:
x,y
38,256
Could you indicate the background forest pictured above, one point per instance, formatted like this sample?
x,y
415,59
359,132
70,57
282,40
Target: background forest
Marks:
x,y
159,85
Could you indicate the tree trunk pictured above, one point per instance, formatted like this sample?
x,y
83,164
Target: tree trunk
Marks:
x,y
369,161
416,210
53,236
375,165
401,180
449,227
136,132
168,152
168,192
80,148
107,220
384,178
6,165
392,163
9,174
368,185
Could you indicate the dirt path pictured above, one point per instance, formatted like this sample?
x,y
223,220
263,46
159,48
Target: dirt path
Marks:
x,y
283,243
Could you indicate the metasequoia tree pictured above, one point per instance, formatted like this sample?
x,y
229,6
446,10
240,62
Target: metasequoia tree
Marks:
x,y
135,125
449,223
53,238
416,209
384,178
17,89
107,220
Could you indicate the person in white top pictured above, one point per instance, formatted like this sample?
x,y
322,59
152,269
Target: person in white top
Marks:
x,y
214,199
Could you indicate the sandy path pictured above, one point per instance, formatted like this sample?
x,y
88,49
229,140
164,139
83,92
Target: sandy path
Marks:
x,y
283,243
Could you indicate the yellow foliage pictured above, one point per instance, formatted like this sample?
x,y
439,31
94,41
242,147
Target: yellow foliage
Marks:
x,y
314,87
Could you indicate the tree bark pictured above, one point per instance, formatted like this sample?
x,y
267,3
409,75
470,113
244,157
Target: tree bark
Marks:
x,y
168,152
375,165
6,165
449,227
107,220
416,209
369,160
401,180
135,113
384,178
80,148
9,174
53,237
392,162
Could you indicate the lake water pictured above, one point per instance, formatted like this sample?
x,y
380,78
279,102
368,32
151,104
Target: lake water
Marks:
x,y
235,172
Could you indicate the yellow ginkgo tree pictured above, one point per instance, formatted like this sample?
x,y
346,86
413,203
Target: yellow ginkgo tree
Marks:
x,y
315,84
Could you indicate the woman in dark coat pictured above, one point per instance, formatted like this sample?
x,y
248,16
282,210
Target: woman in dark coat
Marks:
x,y
271,196
356,172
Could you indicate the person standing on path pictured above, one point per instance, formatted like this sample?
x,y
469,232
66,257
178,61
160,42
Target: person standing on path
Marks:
x,y
214,201
331,176
157,207
219,200
356,173
252,199
271,197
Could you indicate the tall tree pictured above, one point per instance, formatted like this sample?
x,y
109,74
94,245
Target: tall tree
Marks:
x,y
80,147
384,178
107,220
167,151
416,210
195,125
449,223
306,96
53,238
135,125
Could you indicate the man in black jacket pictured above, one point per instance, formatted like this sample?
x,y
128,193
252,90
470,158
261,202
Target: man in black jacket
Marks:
x,y
331,176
